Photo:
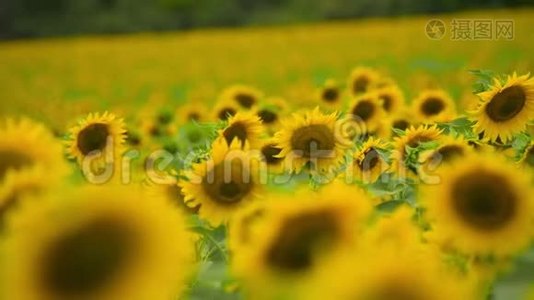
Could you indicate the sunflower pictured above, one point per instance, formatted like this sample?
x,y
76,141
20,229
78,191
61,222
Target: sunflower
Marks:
x,y
361,80
384,273
391,97
330,93
35,182
96,243
433,106
270,112
480,202
367,111
224,110
368,163
193,111
528,155
25,145
311,137
229,180
270,155
449,150
244,96
413,138
97,136
244,127
506,108
296,235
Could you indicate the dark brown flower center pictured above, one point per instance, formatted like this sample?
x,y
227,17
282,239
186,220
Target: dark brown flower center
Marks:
x,y
93,138
85,260
432,106
267,116
229,189
387,102
300,239
133,139
370,160
12,160
529,158
449,152
484,200
506,104
395,289
313,140
193,116
330,95
270,153
226,113
401,124
364,110
236,130
245,100
360,84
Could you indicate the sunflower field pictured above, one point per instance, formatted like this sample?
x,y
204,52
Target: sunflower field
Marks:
x,y
341,160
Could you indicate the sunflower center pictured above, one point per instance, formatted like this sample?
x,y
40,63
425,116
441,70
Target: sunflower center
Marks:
x,y
506,104
133,139
529,159
370,160
267,116
360,85
225,113
93,137
364,110
432,106
245,100
300,238
237,130
270,153
417,140
229,189
484,200
330,95
401,124
87,259
12,160
193,116
387,102
313,140
396,290
449,152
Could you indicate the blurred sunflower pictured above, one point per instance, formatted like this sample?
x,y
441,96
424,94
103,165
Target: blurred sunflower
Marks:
x,y
413,138
449,150
368,164
244,127
481,202
528,155
386,273
433,106
192,111
330,93
229,180
97,134
367,111
35,182
270,155
361,80
311,137
25,145
244,96
224,110
391,97
96,243
296,236
505,109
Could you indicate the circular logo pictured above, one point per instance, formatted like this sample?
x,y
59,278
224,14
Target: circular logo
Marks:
x,y
435,29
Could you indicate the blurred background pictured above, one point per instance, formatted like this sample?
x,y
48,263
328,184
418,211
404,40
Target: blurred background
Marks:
x,y
37,18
